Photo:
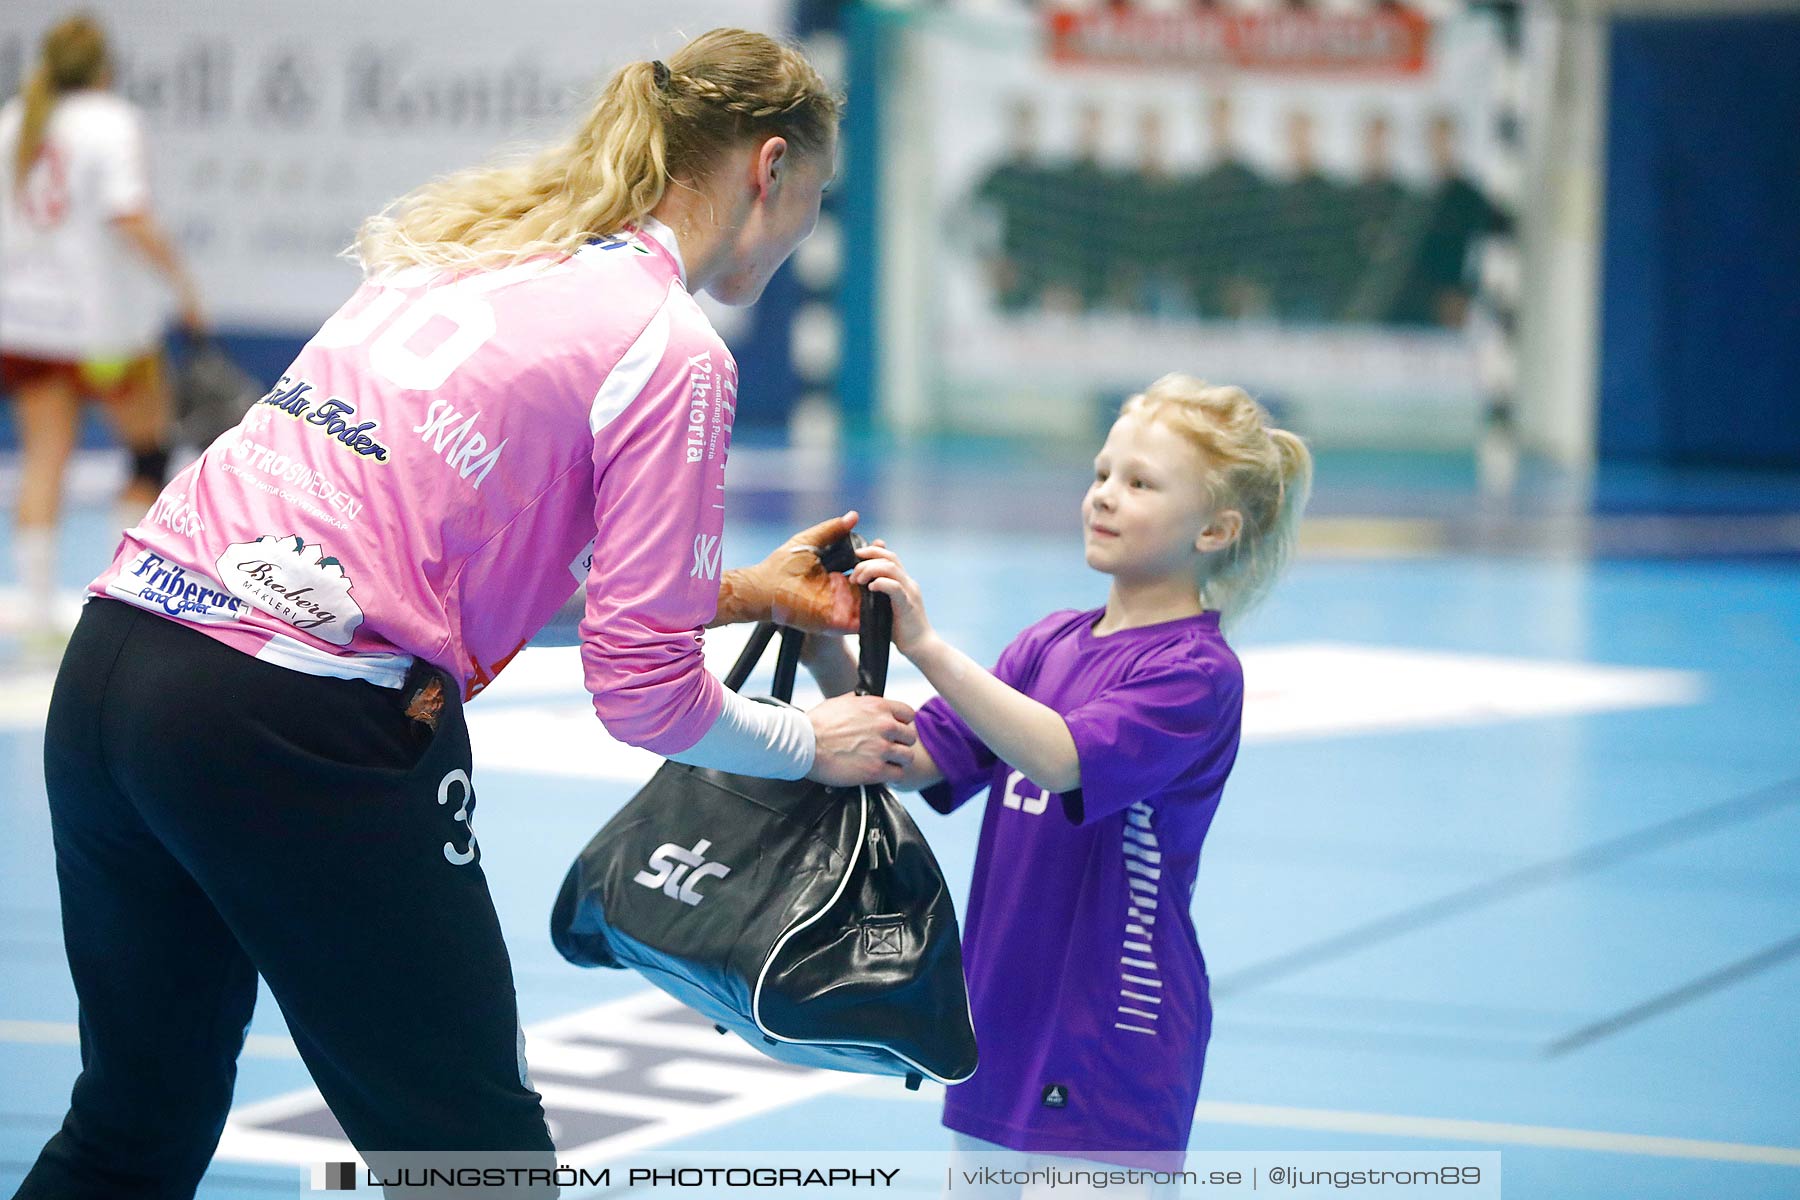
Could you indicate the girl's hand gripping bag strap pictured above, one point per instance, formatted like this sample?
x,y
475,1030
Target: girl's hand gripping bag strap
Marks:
x,y
812,921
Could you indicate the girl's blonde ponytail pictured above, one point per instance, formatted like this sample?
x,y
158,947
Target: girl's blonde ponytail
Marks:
x,y
1262,471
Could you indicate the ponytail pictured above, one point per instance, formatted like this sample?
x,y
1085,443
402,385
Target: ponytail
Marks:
x,y
71,56
38,97
1262,471
652,124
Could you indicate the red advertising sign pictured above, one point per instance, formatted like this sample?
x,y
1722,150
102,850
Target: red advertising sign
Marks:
x,y
1389,42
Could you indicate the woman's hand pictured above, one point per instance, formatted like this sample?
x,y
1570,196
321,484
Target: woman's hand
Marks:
x,y
880,571
792,587
193,316
861,739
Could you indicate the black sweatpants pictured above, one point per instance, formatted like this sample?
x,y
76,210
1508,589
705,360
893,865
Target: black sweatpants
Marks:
x,y
214,817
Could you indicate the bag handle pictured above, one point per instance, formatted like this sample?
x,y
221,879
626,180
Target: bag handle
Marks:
x,y
875,632
760,638
876,638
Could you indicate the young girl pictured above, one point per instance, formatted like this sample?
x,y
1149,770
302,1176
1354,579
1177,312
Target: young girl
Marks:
x,y
1105,738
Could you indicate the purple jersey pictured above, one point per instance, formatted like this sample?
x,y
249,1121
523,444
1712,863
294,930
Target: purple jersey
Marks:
x,y
1085,977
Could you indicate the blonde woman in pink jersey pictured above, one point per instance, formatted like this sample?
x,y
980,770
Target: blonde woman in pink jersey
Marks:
x,y
255,755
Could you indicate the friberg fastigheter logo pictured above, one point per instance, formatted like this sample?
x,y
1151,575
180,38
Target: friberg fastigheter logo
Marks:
x,y
152,581
672,863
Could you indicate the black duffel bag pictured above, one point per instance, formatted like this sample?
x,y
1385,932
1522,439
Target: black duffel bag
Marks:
x,y
812,921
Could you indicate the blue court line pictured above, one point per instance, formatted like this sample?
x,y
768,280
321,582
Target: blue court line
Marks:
x,y
1675,998
1555,870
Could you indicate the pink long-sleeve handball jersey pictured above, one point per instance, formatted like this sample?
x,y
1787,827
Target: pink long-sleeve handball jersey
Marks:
x,y
441,466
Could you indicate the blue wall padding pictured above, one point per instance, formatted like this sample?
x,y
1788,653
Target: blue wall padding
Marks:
x,y
1700,284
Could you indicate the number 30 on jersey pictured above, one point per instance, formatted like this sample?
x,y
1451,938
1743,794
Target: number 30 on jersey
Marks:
x,y
398,304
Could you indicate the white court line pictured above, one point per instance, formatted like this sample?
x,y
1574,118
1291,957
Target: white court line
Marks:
x,y
673,1053
1328,1120
536,719
1505,1133
1218,1112
60,1033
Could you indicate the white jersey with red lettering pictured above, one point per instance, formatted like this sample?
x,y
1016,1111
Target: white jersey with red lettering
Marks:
x,y
446,460
71,289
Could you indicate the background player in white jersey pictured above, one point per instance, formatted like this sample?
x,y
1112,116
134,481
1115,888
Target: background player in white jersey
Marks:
x,y
76,316
256,757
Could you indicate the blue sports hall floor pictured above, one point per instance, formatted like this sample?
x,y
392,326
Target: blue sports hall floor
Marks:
x,y
1508,863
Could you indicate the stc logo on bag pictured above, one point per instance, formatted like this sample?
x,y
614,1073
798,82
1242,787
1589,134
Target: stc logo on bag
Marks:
x,y
677,871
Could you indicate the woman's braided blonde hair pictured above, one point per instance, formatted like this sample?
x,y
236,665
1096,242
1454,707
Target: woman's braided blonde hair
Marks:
x,y
653,125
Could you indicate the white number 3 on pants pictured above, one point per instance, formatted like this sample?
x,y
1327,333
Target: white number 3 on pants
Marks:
x,y
459,857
